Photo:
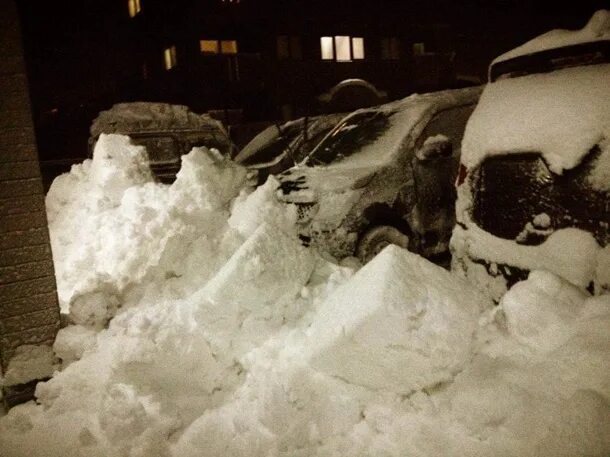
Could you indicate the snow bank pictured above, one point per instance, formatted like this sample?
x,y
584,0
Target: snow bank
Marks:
x,y
598,28
223,347
400,324
111,226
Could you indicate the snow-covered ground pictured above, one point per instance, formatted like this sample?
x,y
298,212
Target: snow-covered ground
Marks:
x,y
202,327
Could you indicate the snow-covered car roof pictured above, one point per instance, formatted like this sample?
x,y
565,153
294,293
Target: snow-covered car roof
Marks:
x,y
151,116
386,128
561,114
597,29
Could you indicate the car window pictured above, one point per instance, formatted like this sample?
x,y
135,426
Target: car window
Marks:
x,y
450,123
159,148
350,136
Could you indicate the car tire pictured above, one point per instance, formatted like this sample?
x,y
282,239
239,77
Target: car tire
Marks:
x,y
375,239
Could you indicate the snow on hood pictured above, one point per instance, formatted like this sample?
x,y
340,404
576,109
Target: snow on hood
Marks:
x,y
559,114
598,28
305,184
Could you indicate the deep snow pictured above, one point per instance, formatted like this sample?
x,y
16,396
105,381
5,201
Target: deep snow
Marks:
x,y
204,328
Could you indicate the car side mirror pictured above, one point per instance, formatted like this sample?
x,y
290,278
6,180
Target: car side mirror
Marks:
x,y
435,146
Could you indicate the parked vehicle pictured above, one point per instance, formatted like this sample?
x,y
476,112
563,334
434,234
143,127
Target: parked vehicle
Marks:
x,y
383,175
280,147
167,131
534,186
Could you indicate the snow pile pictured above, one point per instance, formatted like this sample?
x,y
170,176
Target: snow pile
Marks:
x,y
597,29
391,327
224,345
111,226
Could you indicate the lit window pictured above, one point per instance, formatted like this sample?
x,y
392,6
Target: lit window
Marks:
x,y
390,48
358,48
209,46
228,47
326,47
419,49
169,56
134,7
342,47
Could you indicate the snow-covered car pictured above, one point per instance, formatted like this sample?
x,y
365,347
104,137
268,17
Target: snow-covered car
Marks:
x,y
167,131
534,184
280,147
383,175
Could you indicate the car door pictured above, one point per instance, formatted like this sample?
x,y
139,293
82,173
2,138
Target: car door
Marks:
x,y
434,175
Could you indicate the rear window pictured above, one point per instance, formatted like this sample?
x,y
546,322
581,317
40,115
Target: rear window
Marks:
x,y
515,190
350,136
597,52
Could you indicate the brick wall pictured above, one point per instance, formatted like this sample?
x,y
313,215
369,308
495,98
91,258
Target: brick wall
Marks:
x,y
29,313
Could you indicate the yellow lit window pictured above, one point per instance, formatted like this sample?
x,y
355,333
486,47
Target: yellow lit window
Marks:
x,y
169,57
209,46
134,7
228,47
342,49
358,48
326,48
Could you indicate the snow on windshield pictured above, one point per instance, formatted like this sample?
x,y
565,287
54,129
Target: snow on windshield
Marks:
x,y
369,137
598,28
200,326
558,114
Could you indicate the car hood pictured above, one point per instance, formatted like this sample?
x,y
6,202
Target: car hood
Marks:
x,y
305,184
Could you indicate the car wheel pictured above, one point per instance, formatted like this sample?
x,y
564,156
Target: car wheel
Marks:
x,y
374,240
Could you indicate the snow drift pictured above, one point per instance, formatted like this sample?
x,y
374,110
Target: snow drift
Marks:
x,y
202,331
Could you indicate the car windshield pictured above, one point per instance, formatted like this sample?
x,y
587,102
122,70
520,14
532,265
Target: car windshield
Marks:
x,y
272,150
350,136
596,52
517,197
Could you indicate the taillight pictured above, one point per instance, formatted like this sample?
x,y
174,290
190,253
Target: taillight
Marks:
x,y
461,176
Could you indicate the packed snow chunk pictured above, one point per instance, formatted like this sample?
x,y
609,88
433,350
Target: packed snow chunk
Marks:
x,y
400,324
580,428
270,266
149,230
206,181
72,341
252,290
250,211
30,362
598,28
540,311
570,253
118,164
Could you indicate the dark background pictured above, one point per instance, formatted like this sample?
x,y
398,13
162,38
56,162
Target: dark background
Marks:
x,y
84,56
